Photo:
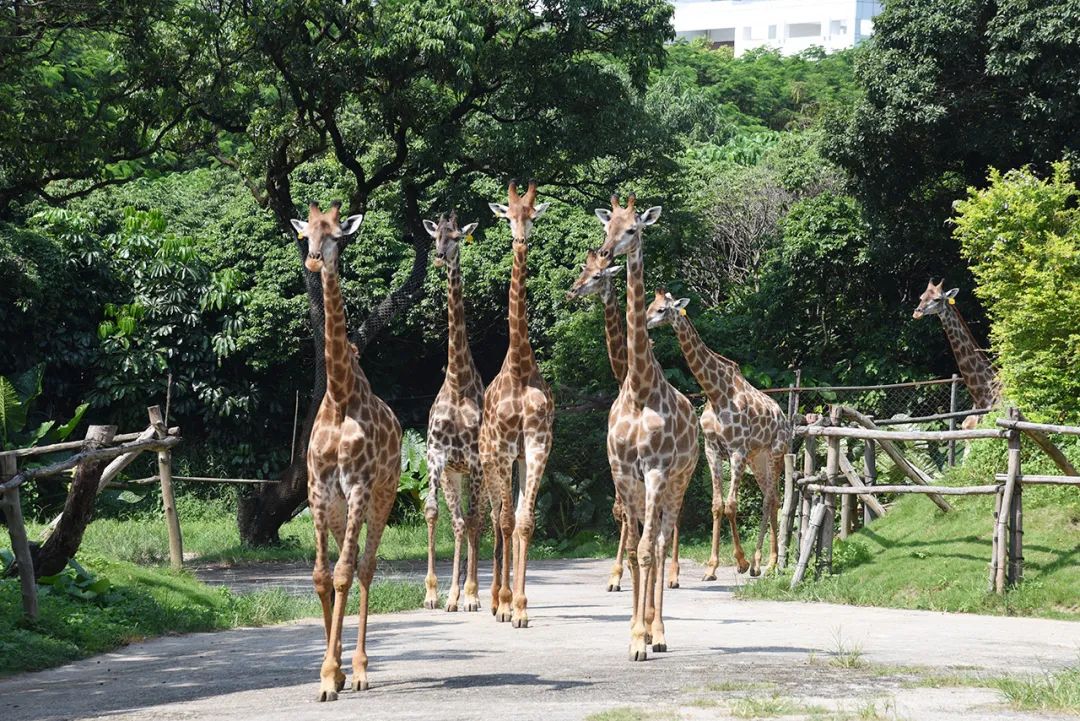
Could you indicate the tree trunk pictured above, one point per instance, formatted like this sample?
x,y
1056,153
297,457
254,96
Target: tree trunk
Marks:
x,y
51,557
263,512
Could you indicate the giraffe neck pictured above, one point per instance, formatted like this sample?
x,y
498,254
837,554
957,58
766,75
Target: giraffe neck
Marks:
x,y
341,381
714,373
979,375
519,355
459,357
641,370
614,334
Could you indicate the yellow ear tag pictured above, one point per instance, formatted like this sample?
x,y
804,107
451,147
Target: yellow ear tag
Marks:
x,y
469,238
682,311
952,301
299,236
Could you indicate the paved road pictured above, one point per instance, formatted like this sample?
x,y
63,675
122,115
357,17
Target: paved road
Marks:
x,y
571,662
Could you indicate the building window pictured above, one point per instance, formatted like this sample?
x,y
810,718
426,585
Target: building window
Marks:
x,y
772,32
804,30
747,33
838,27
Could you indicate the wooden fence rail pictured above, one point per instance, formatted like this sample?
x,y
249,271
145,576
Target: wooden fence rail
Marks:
x,y
815,517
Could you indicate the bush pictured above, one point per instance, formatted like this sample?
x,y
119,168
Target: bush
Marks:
x,y
1022,236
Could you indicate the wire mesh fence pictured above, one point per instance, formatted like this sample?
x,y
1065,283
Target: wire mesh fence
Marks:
x,y
914,399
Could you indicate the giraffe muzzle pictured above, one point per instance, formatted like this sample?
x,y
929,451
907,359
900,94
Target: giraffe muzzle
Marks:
x,y
314,262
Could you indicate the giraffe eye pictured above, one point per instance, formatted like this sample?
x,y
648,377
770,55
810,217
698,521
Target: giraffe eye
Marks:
x,y
596,277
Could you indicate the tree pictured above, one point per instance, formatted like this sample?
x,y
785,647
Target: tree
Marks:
x,y
952,87
1022,236
413,98
77,115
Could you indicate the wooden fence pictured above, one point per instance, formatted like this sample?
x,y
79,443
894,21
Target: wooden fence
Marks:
x,y
810,495
94,449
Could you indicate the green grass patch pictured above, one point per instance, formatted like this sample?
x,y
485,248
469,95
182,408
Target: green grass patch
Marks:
x,y
144,602
919,557
1059,691
753,707
630,714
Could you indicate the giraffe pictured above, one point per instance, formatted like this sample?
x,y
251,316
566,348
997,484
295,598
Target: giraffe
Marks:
x,y
596,279
745,422
454,428
518,415
652,437
978,373
353,459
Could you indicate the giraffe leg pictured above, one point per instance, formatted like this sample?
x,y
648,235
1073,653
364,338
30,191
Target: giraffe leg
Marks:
x,y
452,492
668,530
431,515
716,473
536,455
498,474
646,560
376,524
472,535
327,515
496,554
777,474
344,569
636,617
673,572
615,579
738,466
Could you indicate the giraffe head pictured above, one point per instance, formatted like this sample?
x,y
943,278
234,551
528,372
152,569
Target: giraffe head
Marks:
x,y
622,226
595,278
324,233
665,309
934,299
447,236
521,211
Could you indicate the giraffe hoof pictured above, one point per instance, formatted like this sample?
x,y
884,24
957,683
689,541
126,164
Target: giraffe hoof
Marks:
x,y
755,572
672,584
711,576
648,639
327,696
340,683
358,685
520,623
502,617
659,647
613,587
451,608
743,566
431,605
474,606
641,655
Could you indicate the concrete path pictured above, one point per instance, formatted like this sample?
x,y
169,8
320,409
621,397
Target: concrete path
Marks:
x,y
726,657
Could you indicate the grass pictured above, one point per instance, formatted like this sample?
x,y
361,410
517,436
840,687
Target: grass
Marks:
x,y
1058,691
753,707
846,655
918,557
628,713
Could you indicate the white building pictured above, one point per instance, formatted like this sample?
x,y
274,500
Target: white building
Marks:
x,y
789,26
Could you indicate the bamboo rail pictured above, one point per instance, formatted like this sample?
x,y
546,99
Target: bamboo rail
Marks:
x,y
151,444
1044,427
929,419
925,490
1042,480
879,435
72,445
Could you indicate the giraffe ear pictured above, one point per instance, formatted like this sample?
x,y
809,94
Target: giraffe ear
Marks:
x,y
299,226
612,270
431,227
682,303
468,229
604,215
952,293
540,209
499,209
352,224
651,215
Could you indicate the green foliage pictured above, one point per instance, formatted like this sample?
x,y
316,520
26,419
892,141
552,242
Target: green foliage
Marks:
x,y
1051,691
77,582
1022,236
413,483
17,394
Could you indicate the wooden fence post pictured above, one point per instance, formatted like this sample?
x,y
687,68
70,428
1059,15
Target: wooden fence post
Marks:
x,y
828,530
168,500
809,467
20,546
1016,511
952,421
787,508
1001,531
813,525
870,463
995,553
